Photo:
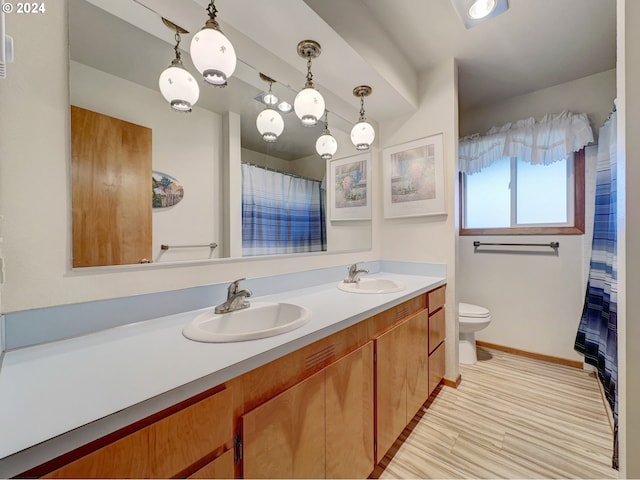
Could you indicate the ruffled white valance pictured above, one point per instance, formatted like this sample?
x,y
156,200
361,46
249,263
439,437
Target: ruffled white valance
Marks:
x,y
544,141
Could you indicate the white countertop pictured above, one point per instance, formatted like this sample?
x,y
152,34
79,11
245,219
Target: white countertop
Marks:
x,y
50,389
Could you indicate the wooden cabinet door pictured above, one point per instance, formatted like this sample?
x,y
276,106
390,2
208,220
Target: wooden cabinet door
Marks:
x,y
417,362
349,415
163,449
285,436
110,190
221,467
436,367
437,329
391,387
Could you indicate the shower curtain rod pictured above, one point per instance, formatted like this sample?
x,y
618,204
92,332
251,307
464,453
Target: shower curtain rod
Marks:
x,y
280,171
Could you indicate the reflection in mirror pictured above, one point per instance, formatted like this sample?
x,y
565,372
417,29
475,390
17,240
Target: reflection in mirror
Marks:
x,y
114,70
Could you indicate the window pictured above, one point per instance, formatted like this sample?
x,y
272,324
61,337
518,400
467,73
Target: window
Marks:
x,y
514,197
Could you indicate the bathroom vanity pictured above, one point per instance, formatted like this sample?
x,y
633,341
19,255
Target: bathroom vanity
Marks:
x,y
143,400
330,409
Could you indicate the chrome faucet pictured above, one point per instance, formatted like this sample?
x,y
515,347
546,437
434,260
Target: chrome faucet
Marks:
x,y
236,299
354,274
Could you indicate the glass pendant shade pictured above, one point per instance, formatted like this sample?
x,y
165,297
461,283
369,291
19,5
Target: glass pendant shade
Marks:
x,y
309,106
213,56
362,135
270,124
326,146
178,87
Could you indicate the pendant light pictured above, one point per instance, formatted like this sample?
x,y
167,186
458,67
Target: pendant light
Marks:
x,y
269,121
309,104
177,85
326,145
362,133
212,52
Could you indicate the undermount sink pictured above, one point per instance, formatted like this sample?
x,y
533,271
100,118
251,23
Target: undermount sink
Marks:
x,y
260,320
372,285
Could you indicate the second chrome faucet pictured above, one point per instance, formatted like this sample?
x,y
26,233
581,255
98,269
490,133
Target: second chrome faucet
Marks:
x,y
354,274
236,298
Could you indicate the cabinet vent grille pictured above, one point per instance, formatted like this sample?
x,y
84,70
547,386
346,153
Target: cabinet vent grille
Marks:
x,y
319,357
402,312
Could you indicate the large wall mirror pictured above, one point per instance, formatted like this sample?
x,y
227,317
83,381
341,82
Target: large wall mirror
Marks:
x,y
114,70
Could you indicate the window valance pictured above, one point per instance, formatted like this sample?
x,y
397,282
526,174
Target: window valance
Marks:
x,y
543,141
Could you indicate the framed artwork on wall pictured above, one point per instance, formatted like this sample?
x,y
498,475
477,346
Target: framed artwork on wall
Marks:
x,y
413,178
166,191
349,188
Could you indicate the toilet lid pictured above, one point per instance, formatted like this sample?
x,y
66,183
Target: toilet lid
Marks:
x,y
473,311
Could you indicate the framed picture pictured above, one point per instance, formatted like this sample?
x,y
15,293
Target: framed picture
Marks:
x,y
413,178
349,188
166,191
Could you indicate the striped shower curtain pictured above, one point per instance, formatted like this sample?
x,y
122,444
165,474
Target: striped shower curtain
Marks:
x,y
597,333
281,213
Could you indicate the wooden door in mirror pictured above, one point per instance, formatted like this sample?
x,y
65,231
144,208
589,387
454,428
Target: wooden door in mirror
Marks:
x,y
111,190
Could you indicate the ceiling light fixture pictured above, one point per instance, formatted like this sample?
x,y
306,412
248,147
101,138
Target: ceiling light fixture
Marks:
x,y
362,133
309,104
177,85
212,52
475,12
326,145
481,8
269,121
285,107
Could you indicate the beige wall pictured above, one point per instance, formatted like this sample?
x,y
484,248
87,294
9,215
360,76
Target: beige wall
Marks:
x,y
536,301
430,238
184,147
592,95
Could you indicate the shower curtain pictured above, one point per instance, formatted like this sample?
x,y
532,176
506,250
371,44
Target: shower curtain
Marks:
x,y
597,333
281,213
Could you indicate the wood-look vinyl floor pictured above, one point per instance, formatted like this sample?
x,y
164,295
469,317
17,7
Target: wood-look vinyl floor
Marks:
x,y
511,417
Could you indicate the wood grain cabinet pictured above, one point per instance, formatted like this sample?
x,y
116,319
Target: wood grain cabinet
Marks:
x,y
437,330
402,377
331,409
177,445
320,428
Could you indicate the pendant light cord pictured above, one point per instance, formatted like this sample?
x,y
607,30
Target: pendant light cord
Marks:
x,y
177,47
362,117
309,83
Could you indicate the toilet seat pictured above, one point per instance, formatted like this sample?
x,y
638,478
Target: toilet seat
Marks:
x,y
469,310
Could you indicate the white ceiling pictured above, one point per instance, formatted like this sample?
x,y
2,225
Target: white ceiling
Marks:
x,y
387,43
534,45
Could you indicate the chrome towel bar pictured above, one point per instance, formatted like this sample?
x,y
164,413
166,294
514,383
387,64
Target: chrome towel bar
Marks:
x,y
554,245
210,245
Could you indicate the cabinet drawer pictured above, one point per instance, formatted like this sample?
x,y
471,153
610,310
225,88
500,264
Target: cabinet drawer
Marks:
x,y
221,467
162,449
437,298
436,329
187,436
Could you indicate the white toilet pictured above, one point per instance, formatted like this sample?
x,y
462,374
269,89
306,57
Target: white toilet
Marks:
x,y
471,318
